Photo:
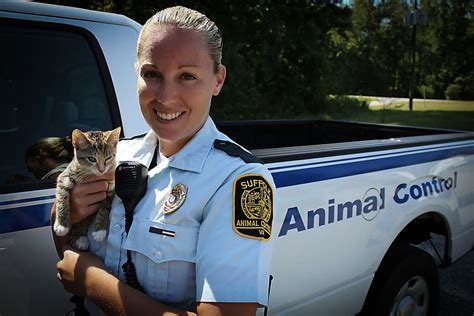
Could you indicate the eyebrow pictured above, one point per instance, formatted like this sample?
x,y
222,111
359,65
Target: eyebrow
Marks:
x,y
179,67
188,66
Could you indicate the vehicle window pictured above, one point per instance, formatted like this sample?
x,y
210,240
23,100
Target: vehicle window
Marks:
x,y
50,84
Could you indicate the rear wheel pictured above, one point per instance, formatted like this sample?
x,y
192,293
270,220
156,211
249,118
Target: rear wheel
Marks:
x,y
406,284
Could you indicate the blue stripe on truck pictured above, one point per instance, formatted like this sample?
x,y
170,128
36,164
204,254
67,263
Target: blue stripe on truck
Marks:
x,y
32,199
368,156
34,216
25,217
320,173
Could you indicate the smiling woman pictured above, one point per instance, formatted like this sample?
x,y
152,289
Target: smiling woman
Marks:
x,y
196,221
176,84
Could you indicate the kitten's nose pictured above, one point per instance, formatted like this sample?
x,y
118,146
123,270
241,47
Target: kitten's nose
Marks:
x,y
101,166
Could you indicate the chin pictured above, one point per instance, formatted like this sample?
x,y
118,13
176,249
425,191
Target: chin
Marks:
x,y
165,135
98,173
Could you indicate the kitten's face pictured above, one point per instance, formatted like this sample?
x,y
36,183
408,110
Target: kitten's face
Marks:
x,y
95,151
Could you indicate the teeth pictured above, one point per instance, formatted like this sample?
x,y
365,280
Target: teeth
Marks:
x,y
169,116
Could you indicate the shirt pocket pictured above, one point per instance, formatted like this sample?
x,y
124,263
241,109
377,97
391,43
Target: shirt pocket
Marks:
x,y
165,256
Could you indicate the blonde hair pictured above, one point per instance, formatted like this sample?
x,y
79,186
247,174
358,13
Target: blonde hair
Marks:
x,y
186,19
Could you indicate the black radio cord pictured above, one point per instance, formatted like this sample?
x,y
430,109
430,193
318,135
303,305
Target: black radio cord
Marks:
x,y
80,309
128,267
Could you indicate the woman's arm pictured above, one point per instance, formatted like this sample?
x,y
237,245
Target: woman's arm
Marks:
x,y
84,274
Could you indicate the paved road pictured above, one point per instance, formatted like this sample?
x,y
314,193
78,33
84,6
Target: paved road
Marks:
x,y
457,288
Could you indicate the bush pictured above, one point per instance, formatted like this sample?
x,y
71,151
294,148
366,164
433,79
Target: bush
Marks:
x,y
453,92
426,91
345,105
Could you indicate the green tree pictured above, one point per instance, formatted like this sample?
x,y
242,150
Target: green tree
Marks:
x,y
448,42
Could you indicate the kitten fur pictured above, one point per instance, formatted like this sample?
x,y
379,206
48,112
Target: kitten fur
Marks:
x,y
94,154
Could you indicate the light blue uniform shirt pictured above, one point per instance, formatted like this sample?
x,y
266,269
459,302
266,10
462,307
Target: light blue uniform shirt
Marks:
x,y
206,260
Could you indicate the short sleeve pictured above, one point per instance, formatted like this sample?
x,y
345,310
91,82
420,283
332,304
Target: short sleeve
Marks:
x,y
231,267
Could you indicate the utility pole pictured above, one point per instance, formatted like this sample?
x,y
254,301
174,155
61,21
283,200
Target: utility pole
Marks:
x,y
413,55
413,18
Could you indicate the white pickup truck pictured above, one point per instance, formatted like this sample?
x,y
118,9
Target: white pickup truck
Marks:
x,y
356,199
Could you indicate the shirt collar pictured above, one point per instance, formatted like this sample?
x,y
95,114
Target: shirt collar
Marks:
x,y
190,158
193,155
141,151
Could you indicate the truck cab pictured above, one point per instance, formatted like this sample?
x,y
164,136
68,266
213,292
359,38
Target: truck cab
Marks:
x,y
62,68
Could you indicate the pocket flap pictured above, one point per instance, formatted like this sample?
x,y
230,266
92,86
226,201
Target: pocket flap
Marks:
x,y
162,241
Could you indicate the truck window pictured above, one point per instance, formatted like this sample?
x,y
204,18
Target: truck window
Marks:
x,y
50,84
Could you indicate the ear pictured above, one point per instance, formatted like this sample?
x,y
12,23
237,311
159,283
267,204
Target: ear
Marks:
x,y
220,80
114,136
79,139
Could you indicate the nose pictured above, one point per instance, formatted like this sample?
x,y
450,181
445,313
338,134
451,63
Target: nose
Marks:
x,y
166,92
101,165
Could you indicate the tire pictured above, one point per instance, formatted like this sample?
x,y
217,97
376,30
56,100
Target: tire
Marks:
x,y
407,283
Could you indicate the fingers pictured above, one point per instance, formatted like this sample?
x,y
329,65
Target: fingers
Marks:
x,y
83,207
74,270
87,188
86,197
68,273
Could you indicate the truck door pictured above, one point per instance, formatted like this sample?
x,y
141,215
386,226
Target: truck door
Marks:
x,y
53,79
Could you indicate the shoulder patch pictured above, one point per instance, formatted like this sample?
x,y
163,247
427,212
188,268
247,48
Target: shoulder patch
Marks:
x,y
252,207
235,150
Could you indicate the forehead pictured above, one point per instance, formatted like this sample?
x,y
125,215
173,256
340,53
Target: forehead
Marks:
x,y
169,44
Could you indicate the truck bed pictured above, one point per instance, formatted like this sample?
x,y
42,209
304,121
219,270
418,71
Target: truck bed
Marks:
x,y
282,140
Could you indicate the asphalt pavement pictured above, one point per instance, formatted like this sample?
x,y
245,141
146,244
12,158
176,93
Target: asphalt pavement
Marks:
x,y
457,288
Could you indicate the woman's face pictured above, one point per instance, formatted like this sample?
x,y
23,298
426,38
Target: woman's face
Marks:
x,y
176,82
35,167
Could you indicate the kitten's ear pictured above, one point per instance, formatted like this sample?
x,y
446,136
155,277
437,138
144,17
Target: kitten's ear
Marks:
x,y
79,139
114,136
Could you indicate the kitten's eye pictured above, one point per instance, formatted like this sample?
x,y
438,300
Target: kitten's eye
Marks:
x,y
91,159
108,158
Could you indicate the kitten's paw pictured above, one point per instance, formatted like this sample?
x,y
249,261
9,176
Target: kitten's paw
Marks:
x,y
81,243
99,235
60,230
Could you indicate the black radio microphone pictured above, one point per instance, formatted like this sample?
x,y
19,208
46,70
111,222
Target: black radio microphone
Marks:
x,y
131,180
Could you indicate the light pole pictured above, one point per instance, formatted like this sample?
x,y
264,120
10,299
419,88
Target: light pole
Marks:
x,y
412,18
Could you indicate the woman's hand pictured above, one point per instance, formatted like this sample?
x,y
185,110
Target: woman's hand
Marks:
x,y
86,197
78,271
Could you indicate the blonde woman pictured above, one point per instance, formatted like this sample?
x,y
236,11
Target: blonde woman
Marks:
x,y
201,235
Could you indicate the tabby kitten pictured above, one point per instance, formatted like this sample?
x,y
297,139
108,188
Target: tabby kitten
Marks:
x,y
94,153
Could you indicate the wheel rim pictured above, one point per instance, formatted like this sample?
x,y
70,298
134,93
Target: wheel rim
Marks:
x,y
412,299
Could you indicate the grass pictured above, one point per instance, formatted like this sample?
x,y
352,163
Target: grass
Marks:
x,y
457,115
430,105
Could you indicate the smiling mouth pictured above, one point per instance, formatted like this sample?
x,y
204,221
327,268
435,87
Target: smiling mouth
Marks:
x,y
168,116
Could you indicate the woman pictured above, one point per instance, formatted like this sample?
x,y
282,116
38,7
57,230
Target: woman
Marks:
x,y
48,157
200,238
